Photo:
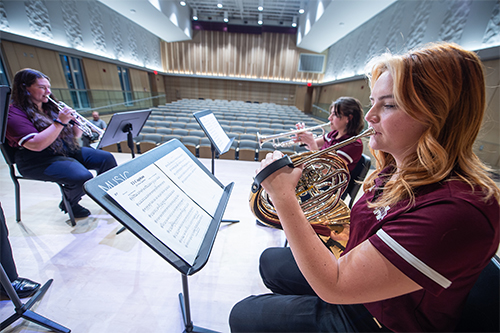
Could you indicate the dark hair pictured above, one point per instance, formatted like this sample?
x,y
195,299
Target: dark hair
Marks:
x,y
41,119
349,107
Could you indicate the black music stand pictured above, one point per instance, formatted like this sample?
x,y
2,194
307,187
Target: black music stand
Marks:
x,y
98,187
215,133
22,310
124,126
218,138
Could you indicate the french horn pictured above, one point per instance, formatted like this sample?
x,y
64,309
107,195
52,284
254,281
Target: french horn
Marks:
x,y
325,177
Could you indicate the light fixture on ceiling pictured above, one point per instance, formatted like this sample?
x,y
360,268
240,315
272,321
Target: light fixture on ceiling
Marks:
x,y
183,3
260,19
195,15
294,22
226,19
261,5
219,4
301,8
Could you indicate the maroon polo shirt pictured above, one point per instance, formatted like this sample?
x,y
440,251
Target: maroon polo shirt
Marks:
x,y
442,242
350,153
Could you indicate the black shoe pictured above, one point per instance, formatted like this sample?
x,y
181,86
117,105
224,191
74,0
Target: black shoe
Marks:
x,y
78,210
23,287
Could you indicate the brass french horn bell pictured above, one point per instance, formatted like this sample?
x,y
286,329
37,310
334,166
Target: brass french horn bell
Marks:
x,y
325,177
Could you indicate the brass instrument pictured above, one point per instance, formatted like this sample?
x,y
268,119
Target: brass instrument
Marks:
x,y
325,177
289,143
85,125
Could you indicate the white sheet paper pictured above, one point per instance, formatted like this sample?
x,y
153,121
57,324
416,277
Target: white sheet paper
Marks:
x,y
219,137
194,181
166,211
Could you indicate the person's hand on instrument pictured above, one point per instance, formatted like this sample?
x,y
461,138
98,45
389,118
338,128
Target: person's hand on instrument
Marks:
x,y
281,181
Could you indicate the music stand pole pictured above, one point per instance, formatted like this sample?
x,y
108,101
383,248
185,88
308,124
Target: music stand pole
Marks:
x,y
130,140
212,147
23,310
186,310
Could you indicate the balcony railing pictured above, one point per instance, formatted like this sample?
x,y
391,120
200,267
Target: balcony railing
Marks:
x,y
111,101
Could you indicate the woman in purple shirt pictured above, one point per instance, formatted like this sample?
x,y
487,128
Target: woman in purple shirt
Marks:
x,y
425,228
45,140
346,121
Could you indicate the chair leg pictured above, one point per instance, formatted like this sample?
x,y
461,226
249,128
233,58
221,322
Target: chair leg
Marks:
x,y
68,206
17,192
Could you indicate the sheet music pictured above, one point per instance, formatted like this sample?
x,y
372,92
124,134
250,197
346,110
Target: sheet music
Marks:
x,y
219,137
179,167
168,213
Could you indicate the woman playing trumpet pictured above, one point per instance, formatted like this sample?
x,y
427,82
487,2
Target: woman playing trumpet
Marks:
x,y
406,267
346,121
45,140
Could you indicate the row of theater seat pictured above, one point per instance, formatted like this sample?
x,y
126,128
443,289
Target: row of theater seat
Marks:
x,y
244,147
176,121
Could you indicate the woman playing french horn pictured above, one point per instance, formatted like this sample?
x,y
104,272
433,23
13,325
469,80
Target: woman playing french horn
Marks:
x,y
405,267
45,140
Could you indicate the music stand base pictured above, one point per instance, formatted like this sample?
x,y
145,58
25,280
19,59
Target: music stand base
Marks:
x,y
25,313
230,221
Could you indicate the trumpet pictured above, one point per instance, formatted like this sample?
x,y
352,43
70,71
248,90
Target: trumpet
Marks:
x,y
274,137
85,125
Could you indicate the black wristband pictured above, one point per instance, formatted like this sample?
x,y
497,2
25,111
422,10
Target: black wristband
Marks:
x,y
60,122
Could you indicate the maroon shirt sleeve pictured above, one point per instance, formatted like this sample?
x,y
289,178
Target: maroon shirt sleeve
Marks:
x,y
19,128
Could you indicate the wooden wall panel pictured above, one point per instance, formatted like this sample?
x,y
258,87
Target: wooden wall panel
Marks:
x,y
358,89
19,56
139,80
92,69
269,56
239,90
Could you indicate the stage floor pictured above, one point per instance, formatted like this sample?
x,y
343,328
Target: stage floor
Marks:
x,y
104,282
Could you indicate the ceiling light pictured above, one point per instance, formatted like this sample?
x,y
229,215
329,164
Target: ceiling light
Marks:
x,y
261,5
294,22
260,19
183,3
219,4
195,15
226,19
301,8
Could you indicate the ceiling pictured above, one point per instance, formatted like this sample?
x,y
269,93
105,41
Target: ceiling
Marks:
x,y
274,12
323,23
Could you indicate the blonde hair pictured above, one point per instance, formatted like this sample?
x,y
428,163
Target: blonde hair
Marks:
x,y
442,86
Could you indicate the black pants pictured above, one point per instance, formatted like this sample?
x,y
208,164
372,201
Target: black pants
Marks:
x,y
72,171
6,258
293,306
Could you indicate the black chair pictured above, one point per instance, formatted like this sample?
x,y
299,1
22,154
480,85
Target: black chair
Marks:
x,y
358,174
481,311
8,153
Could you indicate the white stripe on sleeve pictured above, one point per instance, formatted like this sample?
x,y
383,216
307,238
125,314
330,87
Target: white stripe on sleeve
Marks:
x,y
349,158
23,140
412,260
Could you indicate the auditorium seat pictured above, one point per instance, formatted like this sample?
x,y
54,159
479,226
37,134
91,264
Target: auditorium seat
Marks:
x,y
237,129
191,143
231,153
247,150
163,123
267,147
205,148
180,131
163,130
248,136
148,129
